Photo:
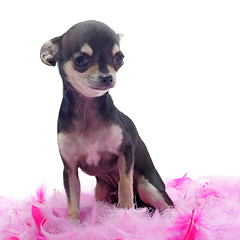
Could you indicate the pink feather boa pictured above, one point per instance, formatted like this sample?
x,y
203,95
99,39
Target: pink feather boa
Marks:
x,y
205,209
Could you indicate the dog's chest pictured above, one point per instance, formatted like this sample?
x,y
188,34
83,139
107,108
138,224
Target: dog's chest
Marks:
x,y
92,148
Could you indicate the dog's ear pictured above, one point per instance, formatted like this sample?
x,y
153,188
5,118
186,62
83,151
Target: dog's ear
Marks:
x,y
50,50
120,36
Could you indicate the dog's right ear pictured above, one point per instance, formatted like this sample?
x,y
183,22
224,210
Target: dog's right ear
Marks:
x,y
50,50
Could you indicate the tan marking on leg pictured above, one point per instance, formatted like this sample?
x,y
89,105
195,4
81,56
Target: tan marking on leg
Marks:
x,y
74,193
125,185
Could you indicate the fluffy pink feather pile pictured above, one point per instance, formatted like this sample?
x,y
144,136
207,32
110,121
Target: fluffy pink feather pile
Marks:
x,y
207,209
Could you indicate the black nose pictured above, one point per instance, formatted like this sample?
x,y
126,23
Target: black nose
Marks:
x,y
106,78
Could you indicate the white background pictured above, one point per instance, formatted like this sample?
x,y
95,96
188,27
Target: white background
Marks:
x,y
180,84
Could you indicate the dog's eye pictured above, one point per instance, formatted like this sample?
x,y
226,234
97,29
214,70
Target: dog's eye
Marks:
x,y
81,61
119,59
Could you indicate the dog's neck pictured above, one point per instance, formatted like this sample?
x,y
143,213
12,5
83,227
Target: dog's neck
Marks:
x,y
89,111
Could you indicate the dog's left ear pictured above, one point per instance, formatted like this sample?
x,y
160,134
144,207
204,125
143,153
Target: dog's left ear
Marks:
x,y
120,36
49,51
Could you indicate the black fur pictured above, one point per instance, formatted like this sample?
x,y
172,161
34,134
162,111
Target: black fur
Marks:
x,y
133,147
84,115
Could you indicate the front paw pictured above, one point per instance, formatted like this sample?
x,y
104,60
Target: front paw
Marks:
x,y
125,203
74,217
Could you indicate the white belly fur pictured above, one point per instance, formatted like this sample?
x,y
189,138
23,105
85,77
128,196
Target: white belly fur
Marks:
x,y
73,145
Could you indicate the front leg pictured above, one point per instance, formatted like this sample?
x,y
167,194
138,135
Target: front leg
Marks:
x,y
72,188
125,185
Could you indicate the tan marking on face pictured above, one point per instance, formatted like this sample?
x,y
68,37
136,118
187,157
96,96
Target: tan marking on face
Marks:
x,y
85,82
115,49
87,49
82,82
113,72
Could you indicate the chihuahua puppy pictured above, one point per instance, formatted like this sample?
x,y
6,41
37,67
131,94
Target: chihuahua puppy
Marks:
x,y
92,133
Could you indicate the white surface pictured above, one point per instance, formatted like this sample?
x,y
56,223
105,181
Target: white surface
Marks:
x,y
180,84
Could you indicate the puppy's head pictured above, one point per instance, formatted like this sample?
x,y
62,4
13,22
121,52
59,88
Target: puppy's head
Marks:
x,y
88,57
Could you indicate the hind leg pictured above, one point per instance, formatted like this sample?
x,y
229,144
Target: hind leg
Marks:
x,y
154,196
105,192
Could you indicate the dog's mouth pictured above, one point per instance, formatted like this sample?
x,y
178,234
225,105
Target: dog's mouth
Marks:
x,y
99,88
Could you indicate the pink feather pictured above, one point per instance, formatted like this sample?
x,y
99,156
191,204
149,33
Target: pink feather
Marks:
x,y
192,230
187,227
205,209
37,211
